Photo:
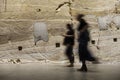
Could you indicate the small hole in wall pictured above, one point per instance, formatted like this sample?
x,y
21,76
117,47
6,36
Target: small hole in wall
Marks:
x,y
20,48
38,10
57,44
93,41
118,28
115,39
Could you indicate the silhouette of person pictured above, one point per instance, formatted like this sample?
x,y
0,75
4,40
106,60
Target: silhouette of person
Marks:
x,y
69,43
83,39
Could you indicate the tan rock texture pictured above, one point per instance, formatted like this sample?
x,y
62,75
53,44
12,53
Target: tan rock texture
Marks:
x,y
18,16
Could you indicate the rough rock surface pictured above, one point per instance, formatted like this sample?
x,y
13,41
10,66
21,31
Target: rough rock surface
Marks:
x,y
18,16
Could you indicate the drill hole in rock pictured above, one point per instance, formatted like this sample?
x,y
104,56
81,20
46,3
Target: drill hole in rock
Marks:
x,y
38,10
93,41
115,39
20,48
57,45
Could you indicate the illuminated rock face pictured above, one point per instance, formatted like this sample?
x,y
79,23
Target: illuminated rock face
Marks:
x,y
18,16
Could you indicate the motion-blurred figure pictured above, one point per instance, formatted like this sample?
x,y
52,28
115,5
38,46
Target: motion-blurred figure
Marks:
x,y
83,39
69,43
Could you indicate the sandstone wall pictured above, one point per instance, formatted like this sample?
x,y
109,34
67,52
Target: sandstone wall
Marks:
x,y
18,16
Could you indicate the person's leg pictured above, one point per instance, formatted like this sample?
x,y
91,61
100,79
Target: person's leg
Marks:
x,y
83,67
70,55
82,57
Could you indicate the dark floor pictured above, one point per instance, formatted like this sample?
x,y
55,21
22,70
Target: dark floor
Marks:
x,y
37,71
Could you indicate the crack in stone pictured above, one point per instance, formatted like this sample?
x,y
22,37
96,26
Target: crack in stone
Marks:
x,y
69,4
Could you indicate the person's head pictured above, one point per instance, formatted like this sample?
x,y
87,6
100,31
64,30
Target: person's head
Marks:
x,y
79,16
69,26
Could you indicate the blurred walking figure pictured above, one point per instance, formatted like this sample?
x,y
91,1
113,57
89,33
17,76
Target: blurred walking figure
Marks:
x,y
69,43
83,39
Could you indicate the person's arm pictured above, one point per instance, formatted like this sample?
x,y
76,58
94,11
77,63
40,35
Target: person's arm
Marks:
x,y
65,35
82,30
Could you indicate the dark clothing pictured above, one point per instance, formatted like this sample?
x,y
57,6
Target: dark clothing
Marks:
x,y
83,23
69,53
84,36
84,53
69,40
83,39
69,43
